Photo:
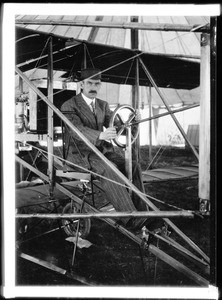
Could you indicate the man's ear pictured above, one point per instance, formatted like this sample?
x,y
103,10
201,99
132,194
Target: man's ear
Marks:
x,y
81,84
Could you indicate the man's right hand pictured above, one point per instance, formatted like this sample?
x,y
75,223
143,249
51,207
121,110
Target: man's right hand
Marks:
x,y
108,134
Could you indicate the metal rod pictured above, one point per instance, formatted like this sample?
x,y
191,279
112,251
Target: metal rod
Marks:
x,y
136,145
77,232
85,57
104,159
135,88
21,169
165,114
168,108
77,236
123,25
154,158
154,250
33,163
153,214
128,155
155,265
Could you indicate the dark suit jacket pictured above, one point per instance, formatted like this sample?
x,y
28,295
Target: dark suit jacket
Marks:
x,y
79,113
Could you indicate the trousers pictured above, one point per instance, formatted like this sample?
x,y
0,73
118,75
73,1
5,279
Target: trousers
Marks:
x,y
116,194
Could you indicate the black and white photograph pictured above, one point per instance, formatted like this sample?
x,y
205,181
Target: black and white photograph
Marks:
x,y
109,164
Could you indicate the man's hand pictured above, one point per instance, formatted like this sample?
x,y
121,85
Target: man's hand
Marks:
x,y
108,134
137,115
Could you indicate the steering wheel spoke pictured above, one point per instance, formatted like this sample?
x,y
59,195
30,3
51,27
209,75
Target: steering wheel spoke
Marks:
x,y
122,116
121,120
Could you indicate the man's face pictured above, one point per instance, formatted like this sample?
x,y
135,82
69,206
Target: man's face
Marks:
x,y
90,87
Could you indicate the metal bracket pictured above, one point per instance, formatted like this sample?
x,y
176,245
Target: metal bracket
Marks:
x,y
204,206
205,39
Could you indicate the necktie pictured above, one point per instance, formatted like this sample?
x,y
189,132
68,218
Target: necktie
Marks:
x,y
92,107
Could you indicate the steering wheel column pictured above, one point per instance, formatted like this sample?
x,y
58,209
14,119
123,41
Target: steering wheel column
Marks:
x,y
122,118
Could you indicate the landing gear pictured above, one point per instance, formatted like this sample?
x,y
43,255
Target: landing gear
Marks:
x,y
70,225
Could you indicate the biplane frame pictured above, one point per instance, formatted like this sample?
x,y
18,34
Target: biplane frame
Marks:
x,y
203,262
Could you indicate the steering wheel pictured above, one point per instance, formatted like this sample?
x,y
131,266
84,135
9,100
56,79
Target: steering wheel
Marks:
x,y
122,116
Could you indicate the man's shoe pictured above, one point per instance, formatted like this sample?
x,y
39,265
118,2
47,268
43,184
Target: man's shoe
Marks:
x,y
154,224
150,224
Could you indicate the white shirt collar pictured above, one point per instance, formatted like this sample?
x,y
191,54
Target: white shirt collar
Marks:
x,y
88,100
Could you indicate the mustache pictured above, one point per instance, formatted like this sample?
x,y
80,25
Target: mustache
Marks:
x,y
92,91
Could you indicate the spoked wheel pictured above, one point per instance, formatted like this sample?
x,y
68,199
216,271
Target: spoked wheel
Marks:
x,y
124,115
70,225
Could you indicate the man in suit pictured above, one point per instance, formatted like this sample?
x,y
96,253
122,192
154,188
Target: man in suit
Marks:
x,y
90,115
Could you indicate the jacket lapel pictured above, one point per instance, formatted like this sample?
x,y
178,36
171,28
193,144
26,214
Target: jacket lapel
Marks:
x,y
86,111
99,115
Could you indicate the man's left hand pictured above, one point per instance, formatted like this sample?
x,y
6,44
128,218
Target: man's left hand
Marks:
x,y
137,115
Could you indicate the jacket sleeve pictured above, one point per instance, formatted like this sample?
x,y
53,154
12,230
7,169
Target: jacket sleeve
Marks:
x,y
108,116
71,112
117,122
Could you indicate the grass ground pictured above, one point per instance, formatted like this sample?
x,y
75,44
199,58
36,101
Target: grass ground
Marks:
x,y
113,259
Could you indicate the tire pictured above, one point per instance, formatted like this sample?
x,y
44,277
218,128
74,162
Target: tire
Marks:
x,y
70,225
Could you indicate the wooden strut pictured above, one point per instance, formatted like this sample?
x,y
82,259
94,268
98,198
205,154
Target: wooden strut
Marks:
x,y
151,248
50,119
150,123
184,251
56,269
101,156
133,150
121,25
101,215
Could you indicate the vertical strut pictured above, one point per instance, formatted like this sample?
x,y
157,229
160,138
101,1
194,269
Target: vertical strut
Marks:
x,y
50,118
150,123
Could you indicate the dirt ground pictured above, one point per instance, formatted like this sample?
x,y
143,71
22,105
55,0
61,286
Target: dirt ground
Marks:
x,y
113,259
